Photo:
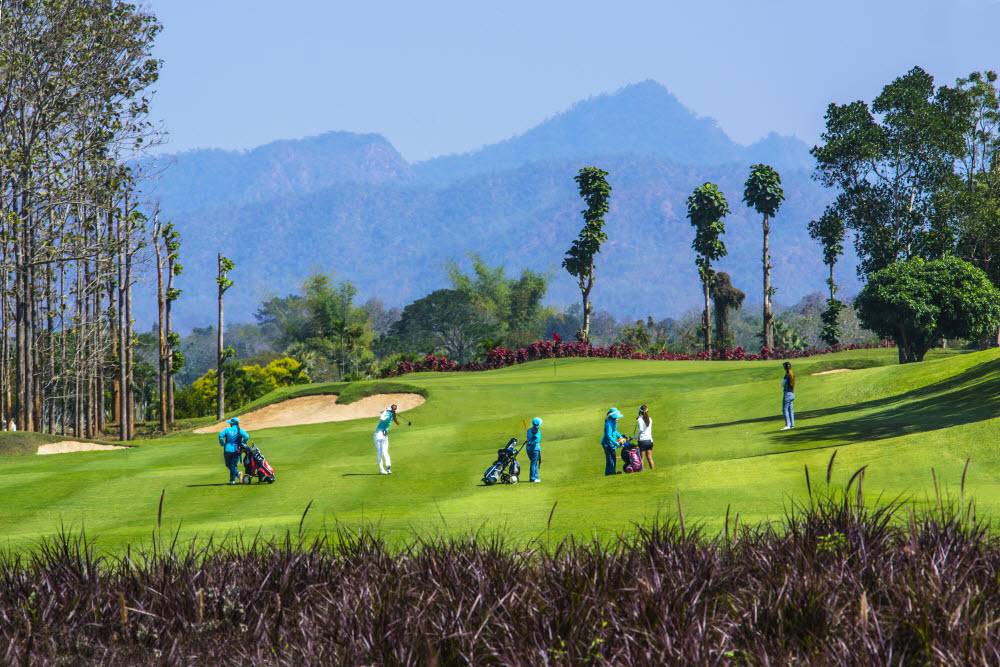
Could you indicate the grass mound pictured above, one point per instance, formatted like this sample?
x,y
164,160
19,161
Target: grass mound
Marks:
x,y
355,391
850,364
23,443
837,581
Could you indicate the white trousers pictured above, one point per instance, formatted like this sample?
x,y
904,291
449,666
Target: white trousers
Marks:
x,y
382,449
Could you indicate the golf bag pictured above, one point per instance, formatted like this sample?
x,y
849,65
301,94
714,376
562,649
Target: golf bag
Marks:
x,y
255,465
505,467
631,458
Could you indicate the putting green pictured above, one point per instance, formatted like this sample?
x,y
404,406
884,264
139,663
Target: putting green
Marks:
x,y
718,444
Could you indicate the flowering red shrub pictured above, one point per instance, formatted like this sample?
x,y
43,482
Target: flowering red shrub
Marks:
x,y
501,357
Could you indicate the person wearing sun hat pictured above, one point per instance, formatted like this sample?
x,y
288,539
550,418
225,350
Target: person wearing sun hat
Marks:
x,y
612,438
231,440
533,445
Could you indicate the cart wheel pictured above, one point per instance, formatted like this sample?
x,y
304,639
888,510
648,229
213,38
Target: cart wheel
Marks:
x,y
247,479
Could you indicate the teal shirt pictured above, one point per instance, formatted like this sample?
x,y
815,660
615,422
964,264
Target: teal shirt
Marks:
x,y
385,420
232,437
533,440
611,434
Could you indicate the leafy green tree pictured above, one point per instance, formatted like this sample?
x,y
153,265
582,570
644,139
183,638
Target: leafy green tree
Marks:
x,y
974,193
706,208
338,328
516,304
917,302
446,319
763,193
579,260
246,384
829,230
890,168
322,327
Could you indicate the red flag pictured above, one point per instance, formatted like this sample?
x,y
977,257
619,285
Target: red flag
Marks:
x,y
556,337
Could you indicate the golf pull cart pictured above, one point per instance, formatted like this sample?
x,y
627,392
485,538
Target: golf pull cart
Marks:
x,y
255,465
505,469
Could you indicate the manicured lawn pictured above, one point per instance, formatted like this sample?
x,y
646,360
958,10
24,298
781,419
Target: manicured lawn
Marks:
x,y
717,434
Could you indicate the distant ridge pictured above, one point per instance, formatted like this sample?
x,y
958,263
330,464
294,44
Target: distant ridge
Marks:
x,y
212,177
642,118
350,204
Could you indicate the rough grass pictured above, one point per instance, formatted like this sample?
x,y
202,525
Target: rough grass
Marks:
x,y
836,582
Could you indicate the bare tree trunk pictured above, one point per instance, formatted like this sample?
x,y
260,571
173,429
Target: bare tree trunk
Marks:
x,y
123,432
585,291
170,352
706,321
161,353
220,393
78,339
768,317
130,348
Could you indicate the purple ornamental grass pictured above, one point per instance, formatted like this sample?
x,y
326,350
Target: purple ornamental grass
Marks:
x,y
835,582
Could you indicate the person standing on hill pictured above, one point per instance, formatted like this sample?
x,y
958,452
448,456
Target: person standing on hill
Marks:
x,y
788,396
385,420
612,438
533,444
231,440
644,425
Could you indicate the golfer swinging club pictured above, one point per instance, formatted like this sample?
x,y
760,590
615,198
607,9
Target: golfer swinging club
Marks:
x,y
386,419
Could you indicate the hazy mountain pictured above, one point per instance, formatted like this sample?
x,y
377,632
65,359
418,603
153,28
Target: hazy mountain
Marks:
x,y
351,205
212,177
643,118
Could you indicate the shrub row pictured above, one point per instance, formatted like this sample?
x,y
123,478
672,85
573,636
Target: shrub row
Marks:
x,y
501,357
837,583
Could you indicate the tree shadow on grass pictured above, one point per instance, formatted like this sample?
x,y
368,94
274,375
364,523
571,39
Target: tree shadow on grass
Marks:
x,y
194,486
970,396
360,474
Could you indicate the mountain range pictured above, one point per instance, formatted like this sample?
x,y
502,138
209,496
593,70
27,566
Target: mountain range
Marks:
x,y
350,204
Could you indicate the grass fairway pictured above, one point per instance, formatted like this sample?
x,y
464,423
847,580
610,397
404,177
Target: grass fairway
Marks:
x,y
717,434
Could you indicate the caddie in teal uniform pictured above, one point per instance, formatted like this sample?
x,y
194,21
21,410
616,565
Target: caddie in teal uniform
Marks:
x,y
231,440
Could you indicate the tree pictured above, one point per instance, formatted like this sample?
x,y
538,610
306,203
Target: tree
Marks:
x,y
890,169
726,298
579,260
917,302
225,266
174,360
763,193
446,319
974,193
706,208
829,230
516,304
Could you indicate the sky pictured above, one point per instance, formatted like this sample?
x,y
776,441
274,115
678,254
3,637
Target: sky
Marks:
x,y
447,77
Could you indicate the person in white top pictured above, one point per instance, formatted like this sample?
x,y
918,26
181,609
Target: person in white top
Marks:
x,y
645,427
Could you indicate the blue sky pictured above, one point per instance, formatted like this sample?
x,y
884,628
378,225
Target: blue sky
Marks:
x,y
442,77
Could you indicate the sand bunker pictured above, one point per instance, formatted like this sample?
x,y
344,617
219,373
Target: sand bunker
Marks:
x,y
318,409
68,446
835,370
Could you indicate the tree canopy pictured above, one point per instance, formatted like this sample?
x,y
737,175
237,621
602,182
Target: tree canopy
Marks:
x,y
445,319
918,302
579,260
